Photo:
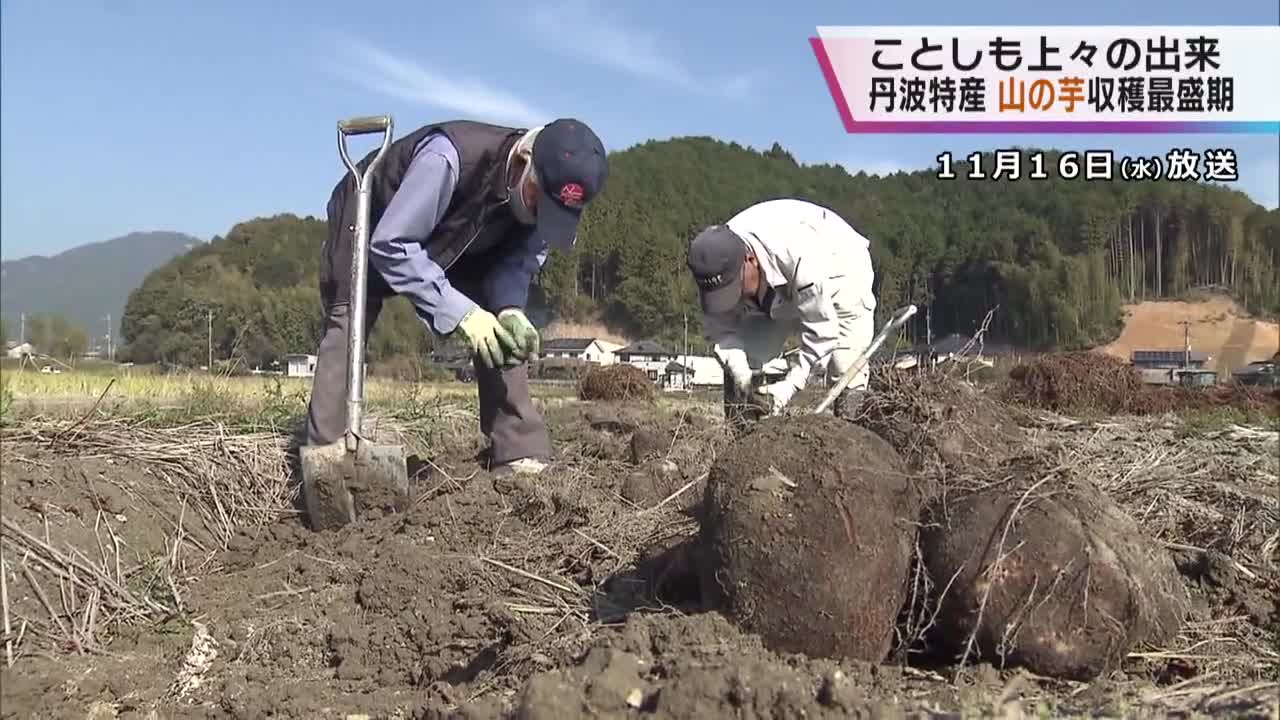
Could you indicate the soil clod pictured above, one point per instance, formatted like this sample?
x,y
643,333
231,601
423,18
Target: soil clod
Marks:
x,y
939,424
807,533
655,481
1051,576
616,382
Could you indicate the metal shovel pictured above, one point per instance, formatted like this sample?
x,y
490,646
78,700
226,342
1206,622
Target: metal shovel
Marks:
x,y
900,316
354,478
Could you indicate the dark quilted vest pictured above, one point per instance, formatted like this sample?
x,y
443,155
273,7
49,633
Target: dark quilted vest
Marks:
x,y
476,221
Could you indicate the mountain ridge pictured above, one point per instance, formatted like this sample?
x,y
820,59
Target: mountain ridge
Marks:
x,y
88,282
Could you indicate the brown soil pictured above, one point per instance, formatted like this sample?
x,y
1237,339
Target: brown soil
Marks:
x,y
657,480
648,668
649,444
550,597
670,569
940,425
807,533
701,667
91,516
1250,400
1051,576
1221,588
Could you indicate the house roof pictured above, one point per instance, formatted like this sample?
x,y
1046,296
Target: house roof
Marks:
x,y
1168,356
644,347
568,344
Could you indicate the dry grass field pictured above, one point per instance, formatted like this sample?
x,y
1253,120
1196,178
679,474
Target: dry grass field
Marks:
x,y
156,565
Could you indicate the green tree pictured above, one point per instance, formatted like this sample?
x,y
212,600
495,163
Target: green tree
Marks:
x,y
1056,257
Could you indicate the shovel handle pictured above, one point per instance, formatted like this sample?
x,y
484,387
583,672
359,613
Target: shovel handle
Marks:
x,y
365,125
360,261
900,316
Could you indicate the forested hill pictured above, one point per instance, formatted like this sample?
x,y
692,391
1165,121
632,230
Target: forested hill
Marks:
x,y
1058,257
85,284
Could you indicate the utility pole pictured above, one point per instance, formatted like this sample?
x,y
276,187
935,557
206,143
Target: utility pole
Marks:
x,y
210,341
1186,344
684,361
22,328
110,356
928,325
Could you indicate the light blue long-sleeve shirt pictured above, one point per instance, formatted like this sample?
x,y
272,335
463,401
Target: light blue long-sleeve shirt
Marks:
x,y
397,253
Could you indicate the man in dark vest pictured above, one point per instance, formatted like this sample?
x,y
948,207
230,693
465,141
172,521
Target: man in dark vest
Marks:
x,y
463,214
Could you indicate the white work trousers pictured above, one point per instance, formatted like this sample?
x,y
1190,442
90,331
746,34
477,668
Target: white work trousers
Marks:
x,y
764,337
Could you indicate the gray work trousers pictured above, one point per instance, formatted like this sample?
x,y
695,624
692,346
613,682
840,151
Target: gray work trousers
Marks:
x,y
508,417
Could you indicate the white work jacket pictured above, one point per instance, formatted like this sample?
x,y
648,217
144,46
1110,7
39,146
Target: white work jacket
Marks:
x,y
811,259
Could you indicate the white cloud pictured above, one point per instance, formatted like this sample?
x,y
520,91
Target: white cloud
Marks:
x,y
379,71
607,40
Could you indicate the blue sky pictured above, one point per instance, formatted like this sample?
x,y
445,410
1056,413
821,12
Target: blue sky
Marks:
x,y
123,115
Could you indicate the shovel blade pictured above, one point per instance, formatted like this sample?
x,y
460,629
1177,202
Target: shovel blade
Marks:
x,y
340,487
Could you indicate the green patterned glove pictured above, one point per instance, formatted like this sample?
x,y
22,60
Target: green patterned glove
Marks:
x,y
528,342
486,337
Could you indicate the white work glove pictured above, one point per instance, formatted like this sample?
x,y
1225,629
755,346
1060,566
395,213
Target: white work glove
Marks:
x,y
777,395
735,363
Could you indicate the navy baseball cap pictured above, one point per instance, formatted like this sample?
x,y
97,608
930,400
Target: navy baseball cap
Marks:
x,y
715,259
572,166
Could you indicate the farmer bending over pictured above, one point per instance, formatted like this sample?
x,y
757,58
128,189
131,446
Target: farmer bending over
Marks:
x,y
463,214
778,267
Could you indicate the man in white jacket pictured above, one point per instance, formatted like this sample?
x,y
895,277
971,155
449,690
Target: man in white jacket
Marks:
x,y
776,268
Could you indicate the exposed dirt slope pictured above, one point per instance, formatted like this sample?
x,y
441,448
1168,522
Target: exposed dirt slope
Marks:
x,y
1219,327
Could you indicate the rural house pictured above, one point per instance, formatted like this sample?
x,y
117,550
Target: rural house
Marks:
x,y
455,361
299,365
17,351
704,370
593,350
689,371
648,356
1164,359
674,377
1164,367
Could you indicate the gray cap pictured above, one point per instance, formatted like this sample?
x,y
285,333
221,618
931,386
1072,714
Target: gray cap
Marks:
x,y
715,259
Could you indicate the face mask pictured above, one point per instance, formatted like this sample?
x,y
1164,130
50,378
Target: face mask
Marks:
x,y
523,150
